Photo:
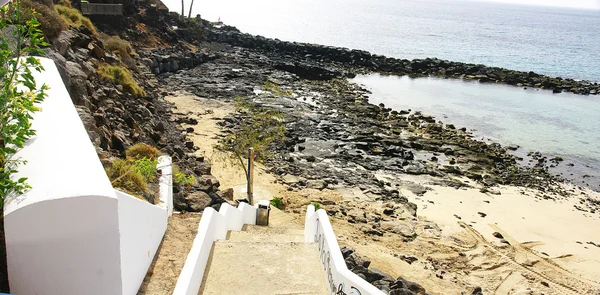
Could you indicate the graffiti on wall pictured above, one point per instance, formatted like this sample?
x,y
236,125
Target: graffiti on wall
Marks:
x,y
336,288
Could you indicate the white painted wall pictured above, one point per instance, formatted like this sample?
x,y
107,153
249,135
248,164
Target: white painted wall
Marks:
x,y
62,236
166,183
213,226
72,233
339,279
142,226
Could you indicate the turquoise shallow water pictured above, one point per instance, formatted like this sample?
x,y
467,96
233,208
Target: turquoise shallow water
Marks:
x,y
552,41
537,120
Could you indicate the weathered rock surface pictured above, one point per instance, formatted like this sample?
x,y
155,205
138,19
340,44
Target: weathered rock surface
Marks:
x,y
379,279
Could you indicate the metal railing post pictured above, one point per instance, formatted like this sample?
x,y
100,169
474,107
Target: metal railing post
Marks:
x,y
250,176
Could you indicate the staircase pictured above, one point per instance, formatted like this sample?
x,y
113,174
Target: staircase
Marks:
x,y
264,260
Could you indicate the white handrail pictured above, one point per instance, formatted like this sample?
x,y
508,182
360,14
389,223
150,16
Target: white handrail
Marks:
x,y
340,280
213,226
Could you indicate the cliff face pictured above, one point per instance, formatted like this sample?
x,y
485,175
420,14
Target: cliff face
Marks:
x,y
115,118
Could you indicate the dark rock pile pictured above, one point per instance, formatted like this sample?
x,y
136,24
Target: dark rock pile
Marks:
x,y
378,278
172,60
353,60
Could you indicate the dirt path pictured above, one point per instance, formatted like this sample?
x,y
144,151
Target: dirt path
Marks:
x,y
450,259
170,258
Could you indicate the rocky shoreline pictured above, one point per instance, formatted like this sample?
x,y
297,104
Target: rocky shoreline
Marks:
x,y
347,62
360,134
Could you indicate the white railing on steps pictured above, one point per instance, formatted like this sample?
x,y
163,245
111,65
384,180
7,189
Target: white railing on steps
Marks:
x,y
213,226
340,280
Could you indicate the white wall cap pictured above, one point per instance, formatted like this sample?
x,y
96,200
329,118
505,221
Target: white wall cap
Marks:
x,y
264,203
63,162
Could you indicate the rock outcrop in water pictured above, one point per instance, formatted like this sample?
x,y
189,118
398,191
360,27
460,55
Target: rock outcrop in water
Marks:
x,y
353,61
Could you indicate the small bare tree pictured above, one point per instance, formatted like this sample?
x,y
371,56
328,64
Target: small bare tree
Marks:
x,y
190,12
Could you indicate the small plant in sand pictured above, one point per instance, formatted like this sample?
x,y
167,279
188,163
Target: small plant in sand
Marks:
x,y
277,202
317,205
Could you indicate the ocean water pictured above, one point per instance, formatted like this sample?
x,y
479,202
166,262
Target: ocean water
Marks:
x,y
563,124
552,41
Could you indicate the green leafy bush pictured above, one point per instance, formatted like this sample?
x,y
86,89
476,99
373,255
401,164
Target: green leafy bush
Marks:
x,y
136,171
142,150
317,205
50,21
183,179
19,96
122,76
277,203
145,167
73,17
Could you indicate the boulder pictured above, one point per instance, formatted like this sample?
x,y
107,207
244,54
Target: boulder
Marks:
x,y
63,42
400,228
208,183
78,89
198,201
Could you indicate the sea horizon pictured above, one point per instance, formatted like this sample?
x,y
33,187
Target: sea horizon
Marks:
x,y
512,36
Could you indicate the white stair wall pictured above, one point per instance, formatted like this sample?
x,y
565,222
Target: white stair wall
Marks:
x,y
213,226
340,280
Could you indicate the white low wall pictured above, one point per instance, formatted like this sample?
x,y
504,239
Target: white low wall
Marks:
x,y
340,280
213,226
72,233
166,183
142,226
62,236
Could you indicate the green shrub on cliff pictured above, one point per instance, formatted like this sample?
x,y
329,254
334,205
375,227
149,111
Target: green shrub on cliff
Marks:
x,y
122,49
136,171
142,150
122,76
123,175
73,17
50,21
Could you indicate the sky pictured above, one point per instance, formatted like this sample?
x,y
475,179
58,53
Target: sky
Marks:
x,y
586,4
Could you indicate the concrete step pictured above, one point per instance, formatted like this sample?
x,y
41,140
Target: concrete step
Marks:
x,y
280,218
273,230
259,268
267,237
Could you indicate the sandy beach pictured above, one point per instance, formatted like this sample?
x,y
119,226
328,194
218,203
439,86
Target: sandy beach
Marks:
x,y
547,245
